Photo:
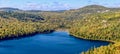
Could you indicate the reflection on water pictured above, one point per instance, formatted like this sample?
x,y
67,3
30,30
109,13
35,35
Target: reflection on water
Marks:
x,y
5,46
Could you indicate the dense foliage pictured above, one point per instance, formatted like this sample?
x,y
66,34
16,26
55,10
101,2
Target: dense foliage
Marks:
x,y
13,28
99,26
102,26
23,16
110,49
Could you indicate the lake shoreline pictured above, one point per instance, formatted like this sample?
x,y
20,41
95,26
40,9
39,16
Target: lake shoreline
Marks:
x,y
66,30
25,35
46,32
113,42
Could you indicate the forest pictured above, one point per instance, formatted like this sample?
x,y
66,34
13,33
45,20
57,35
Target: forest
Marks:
x,y
104,27
91,22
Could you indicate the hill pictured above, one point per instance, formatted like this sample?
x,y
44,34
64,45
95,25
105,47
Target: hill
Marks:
x,y
23,16
9,9
99,26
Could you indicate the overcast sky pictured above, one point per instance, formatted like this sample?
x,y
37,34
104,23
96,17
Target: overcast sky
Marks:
x,y
56,4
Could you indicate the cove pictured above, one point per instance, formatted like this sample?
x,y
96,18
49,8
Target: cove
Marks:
x,y
58,42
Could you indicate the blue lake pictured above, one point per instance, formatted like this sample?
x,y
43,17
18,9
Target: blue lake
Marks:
x,y
58,42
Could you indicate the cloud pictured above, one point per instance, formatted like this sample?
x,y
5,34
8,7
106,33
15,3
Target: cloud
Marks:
x,y
93,2
89,1
47,6
116,4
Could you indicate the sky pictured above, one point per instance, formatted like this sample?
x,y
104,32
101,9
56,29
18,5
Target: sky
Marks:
x,y
56,4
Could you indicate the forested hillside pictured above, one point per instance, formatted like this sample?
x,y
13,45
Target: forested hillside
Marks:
x,y
11,27
23,16
99,26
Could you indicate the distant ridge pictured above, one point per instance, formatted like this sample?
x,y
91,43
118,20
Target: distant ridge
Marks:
x,y
9,9
94,6
85,8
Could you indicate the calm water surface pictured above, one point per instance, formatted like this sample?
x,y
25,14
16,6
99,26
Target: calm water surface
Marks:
x,y
58,42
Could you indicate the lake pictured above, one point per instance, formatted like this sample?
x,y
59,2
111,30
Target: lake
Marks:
x,y
58,42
